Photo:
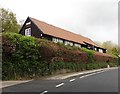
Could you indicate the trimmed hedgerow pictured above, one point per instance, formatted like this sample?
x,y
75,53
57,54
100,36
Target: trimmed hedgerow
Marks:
x,y
90,54
29,57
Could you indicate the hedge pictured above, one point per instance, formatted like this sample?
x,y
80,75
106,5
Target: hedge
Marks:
x,y
28,57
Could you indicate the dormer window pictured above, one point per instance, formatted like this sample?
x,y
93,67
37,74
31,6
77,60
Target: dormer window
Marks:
x,y
28,32
28,23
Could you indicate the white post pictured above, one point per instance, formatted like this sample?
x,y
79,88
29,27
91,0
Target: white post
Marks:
x,y
108,66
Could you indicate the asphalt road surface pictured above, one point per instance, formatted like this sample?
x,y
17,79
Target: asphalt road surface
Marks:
x,y
105,81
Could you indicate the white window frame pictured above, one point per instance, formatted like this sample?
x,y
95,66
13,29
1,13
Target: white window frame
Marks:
x,y
100,50
71,44
95,49
28,32
77,45
60,40
68,43
28,23
56,40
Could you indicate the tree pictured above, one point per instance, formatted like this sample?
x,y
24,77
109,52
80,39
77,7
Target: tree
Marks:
x,y
9,21
108,45
111,48
115,51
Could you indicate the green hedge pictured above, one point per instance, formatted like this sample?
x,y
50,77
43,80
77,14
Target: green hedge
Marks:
x,y
29,57
90,55
31,70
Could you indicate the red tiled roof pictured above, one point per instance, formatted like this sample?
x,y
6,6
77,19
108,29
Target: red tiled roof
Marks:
x,y
61,33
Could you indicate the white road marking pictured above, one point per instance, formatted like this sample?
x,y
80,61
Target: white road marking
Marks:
x,y
44,92
91,74
59,85
72,80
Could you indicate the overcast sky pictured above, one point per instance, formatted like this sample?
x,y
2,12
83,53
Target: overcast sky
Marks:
x,y
95,19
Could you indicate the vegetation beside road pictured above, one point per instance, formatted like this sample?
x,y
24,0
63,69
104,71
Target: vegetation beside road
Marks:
x,y
29,57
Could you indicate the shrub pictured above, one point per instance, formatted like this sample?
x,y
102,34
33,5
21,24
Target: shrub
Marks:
x,y
90,55
28,57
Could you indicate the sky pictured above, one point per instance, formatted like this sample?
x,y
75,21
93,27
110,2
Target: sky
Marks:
x,y
95,19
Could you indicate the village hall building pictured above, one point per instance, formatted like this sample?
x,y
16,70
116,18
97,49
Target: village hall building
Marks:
x,y
39,29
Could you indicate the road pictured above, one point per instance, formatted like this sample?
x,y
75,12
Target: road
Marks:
x,y
105,81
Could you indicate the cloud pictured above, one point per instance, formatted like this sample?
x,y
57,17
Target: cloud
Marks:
x,y
96,19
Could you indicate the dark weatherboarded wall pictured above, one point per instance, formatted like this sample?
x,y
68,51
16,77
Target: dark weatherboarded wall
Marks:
x,y
35,31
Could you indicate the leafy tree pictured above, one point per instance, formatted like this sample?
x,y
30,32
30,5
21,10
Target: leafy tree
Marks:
x,y
108,45
111,47
9,21
115,51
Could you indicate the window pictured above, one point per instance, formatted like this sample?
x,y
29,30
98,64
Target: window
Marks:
x,y
71,44
68,43
77,45
28,32
100,50
54,40
95,49
57,40
28,23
